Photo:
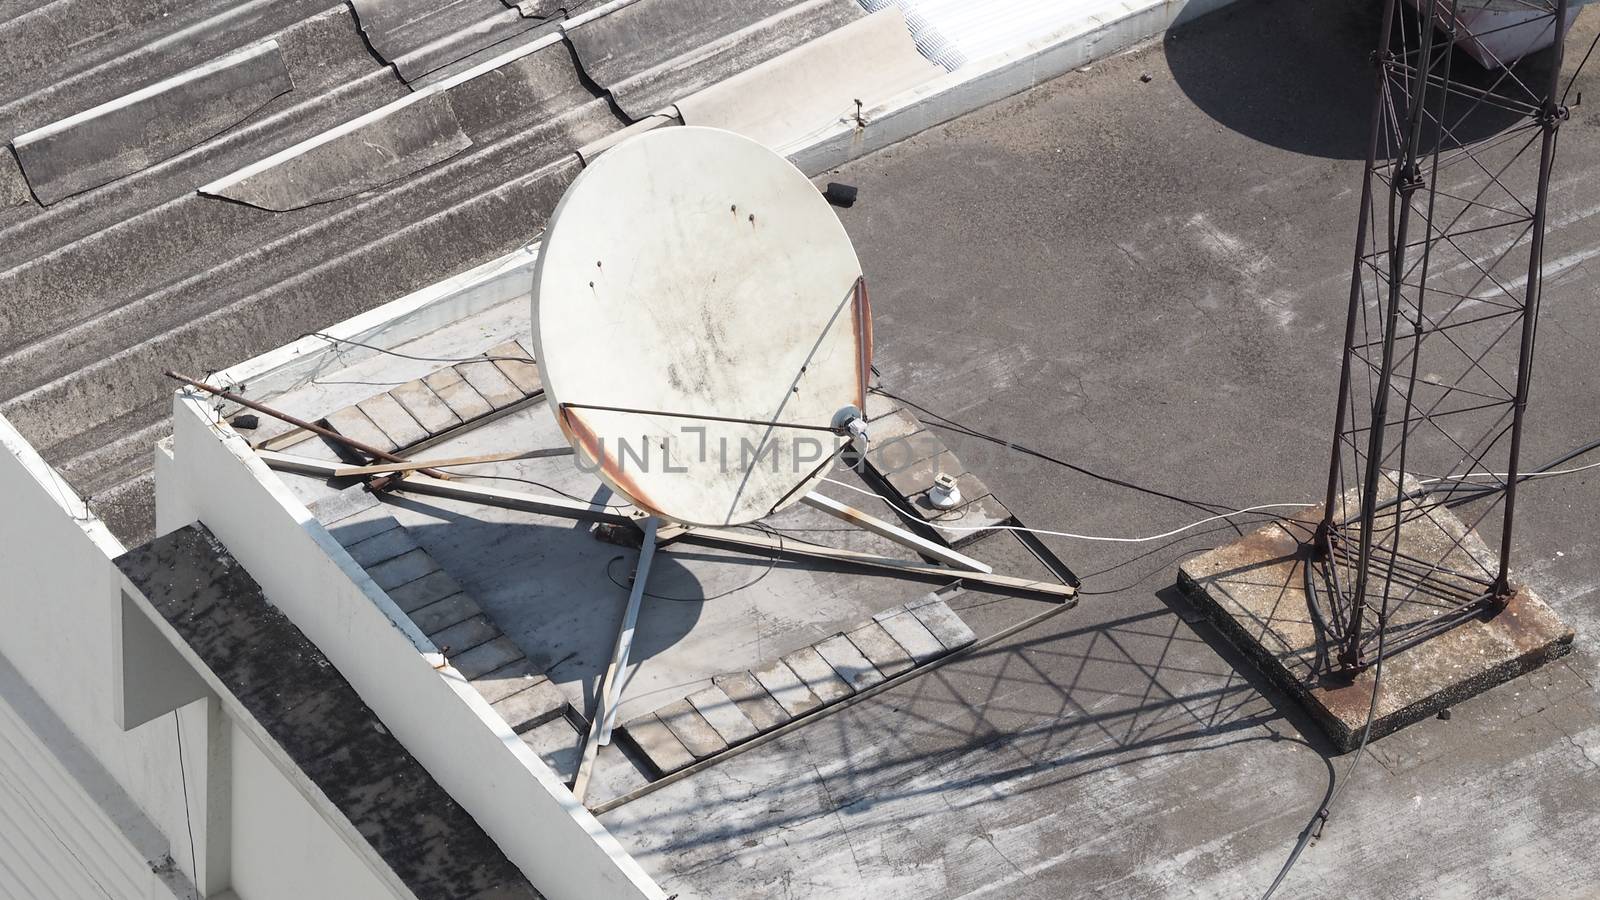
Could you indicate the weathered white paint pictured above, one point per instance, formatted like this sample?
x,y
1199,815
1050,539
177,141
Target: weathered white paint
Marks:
x,y
283,848
86,809
1024,59
731,293
418,313
90,810
148,677
790,101
439,717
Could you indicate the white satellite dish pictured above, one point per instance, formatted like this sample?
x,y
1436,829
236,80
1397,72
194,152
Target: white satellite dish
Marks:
x,y
701,325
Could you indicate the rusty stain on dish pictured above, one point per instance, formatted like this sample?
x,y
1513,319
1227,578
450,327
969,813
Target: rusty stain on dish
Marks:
x,y
592,446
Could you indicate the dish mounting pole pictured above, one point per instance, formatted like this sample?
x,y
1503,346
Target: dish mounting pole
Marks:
x,y
609,694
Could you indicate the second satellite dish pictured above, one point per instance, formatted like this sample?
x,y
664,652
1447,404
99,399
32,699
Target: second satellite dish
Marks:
x,y
701,325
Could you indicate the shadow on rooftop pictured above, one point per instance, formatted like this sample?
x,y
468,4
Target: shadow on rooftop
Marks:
x,y
1025,717
558,591
1296,74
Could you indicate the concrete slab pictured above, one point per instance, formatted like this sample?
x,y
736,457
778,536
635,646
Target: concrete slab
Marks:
x,y
385,545
532,706
918,476
525,375
723,715
489,383
979,509
820,677
691,729
517,675
890,454
425,406
402,569
1253,590
882,650
465,402
387,413
340,512
787,688
441,614
430,588
942,621
486,658
354,424
658,744
910,633
753,700
559,744
849,662
619,769
464,635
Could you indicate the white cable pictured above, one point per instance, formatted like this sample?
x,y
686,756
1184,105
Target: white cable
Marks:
x,y
1068,534
1508,474
1157,537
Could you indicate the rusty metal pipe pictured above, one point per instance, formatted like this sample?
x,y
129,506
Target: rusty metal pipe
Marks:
x,y
312,427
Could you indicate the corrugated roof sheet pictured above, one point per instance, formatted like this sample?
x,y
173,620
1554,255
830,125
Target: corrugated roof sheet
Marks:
x,y
251,215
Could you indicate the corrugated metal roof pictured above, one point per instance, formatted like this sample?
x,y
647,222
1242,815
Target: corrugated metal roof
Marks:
x,y
244,216
648,53
421,37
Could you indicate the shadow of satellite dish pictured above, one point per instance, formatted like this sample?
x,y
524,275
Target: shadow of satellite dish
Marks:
x,y
1296,74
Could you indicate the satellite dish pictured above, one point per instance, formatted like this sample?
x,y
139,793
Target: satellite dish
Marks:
x,y
701,325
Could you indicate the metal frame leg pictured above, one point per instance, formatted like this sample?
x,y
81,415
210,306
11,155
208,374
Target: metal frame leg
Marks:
x,y
609,695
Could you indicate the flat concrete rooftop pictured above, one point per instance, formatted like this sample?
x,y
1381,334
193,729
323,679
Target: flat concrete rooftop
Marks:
x,y
1149,278
1146,276
547,584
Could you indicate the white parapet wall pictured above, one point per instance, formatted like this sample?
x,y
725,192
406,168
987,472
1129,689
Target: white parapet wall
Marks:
x,y
211,475
86,809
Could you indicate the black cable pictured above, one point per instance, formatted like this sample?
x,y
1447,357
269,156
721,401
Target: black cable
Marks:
x,y
772,563
441,359
701,417
1313,828
953,425
183,777
1455,486
539,484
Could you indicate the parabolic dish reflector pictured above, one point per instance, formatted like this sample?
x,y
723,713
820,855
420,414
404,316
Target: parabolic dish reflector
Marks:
x,y
691,277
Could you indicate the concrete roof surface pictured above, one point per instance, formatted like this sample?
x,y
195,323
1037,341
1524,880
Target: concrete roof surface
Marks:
x,y
1150,279
1141,268
1147,277
550,587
